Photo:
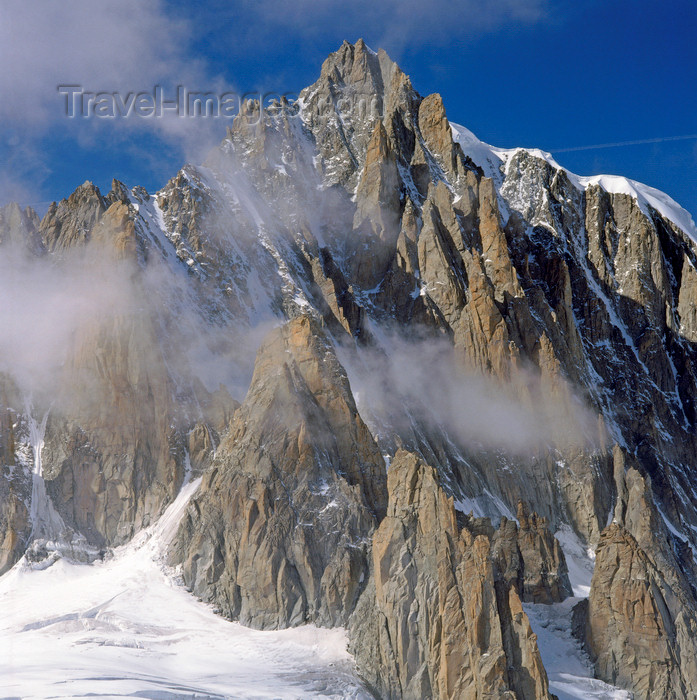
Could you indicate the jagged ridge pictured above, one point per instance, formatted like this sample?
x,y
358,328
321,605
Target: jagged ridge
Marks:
x,y
362,208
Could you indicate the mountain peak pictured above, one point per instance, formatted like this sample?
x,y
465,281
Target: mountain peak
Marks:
x,y
356,67
450,330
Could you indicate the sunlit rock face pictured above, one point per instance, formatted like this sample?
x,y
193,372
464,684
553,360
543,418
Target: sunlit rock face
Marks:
x,y
436,620
641,621
279,531
400,359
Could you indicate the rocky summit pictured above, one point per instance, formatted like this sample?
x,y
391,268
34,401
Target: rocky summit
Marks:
x,y
439,394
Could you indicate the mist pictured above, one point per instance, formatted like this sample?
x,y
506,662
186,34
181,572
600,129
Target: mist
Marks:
x,y
51,305
45,301
423,380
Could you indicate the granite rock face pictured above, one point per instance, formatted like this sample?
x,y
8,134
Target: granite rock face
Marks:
x,y
278,532
15,478
114,448
448,264
641,622
527,556
435,621
387,262
642,627
20,228
111,458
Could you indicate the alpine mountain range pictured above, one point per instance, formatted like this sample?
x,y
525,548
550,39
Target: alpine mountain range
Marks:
x,y
428,389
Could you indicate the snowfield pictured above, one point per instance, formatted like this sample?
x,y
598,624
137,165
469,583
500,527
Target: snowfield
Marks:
x,y
493,160
124,627
568,667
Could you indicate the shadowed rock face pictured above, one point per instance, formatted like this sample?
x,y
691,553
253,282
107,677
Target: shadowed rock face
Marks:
x,y
113,456
20,228
278,532
116,437
438,255
15,478
528,557
113,461
357,213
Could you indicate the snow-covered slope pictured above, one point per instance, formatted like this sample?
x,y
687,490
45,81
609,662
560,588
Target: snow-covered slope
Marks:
x,y
569,669
495,162
124,627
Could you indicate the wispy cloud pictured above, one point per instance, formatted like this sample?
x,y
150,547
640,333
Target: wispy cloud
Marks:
x,y
122,45
392,23
423,379
620,144
46,303
129,46
132,46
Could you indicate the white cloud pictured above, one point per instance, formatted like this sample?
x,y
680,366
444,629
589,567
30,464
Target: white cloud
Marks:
x,y
130,46
393,24
45,304
425,379
100,45
125,46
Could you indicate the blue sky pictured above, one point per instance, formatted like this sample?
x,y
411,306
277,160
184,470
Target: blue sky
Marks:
x,y
538,73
